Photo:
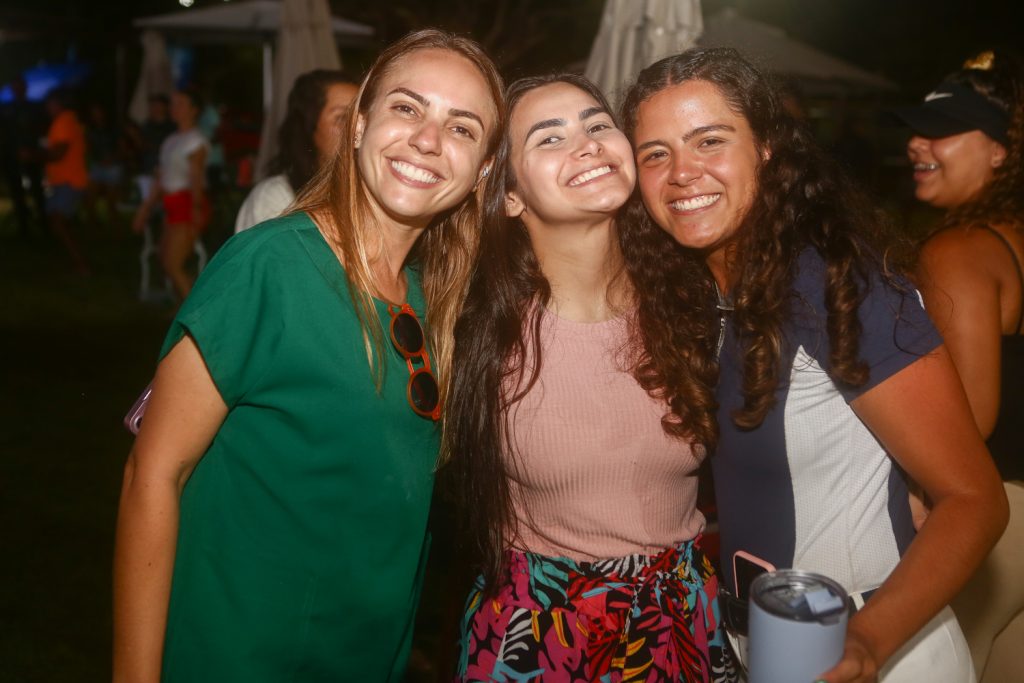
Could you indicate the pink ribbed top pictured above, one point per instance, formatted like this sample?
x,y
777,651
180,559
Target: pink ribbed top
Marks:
x,y
596,477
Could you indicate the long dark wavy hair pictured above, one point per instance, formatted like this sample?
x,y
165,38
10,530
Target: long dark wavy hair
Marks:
x,y
298,158
999,77
501,320
803,199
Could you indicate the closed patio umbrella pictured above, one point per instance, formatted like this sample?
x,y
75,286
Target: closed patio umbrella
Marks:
x,y
304,42
154,76
636,33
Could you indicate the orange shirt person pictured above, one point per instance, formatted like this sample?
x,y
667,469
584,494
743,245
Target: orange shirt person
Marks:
x,y
65,173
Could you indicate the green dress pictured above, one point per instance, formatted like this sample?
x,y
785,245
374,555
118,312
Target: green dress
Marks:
x,y
303,536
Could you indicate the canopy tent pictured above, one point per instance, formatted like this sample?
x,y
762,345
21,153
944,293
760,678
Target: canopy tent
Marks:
x,y
247,21
251,19
635,34
770,47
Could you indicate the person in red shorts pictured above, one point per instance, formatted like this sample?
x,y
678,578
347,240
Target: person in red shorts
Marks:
x,y
180,184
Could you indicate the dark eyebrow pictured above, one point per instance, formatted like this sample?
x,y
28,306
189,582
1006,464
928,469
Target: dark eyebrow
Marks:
x,y
689,136
426,103
415,95
593,111
707,129
547,123
466,115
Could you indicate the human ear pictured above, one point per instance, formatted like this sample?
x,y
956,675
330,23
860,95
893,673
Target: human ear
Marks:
x,y
360,127
998,155
514,206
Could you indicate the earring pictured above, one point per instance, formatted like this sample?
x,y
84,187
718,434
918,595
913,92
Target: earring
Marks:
x,y
357,140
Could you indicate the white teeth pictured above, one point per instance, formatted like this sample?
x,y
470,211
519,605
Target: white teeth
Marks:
x,y
696,202
413,173
590,175
926,167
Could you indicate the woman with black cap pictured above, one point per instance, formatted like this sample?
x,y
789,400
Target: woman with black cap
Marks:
x,y
968,159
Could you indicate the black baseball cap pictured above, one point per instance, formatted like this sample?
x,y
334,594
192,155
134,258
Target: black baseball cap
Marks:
x,y
951,109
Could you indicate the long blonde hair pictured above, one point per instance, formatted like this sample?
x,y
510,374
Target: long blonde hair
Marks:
x,y
445,253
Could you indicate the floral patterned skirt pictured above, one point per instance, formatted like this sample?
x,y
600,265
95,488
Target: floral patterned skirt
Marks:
x,y
636,618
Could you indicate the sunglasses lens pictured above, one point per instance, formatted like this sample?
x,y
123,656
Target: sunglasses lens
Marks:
x,y
423,391
407,333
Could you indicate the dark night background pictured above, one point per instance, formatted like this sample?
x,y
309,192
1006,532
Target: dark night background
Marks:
x,y
74,352
911,42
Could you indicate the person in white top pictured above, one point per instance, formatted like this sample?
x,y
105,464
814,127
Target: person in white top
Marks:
x,y
180,184
317,105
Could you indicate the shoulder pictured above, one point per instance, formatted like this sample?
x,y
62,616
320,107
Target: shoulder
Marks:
x,y
964,254
194,138
274,187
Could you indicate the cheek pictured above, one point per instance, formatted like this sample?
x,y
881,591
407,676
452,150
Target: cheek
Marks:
x,y
465,164
650,186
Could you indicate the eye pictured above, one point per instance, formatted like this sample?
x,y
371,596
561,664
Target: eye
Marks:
x,y
710,142
463,131
403,108
656,155
598,127
549,140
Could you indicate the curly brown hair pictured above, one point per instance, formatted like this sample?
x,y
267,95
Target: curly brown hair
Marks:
x,y
999,77
803,200
668,350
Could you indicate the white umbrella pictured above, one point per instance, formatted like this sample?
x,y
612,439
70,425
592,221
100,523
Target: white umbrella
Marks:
x,y
154,77
636,33
304,43
771,48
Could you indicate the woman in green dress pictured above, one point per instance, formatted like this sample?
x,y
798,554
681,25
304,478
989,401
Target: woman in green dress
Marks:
x,y
273,513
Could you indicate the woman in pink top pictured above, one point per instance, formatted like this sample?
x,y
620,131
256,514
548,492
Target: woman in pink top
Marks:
x,y
574,423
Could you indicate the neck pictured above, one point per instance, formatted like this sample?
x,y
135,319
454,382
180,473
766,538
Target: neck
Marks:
x,y
386,256
583,265
721,263
388,261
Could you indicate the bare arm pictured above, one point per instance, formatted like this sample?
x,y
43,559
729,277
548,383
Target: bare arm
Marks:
x,y
921,416
197,179
55,152
146,207
183,415
961,294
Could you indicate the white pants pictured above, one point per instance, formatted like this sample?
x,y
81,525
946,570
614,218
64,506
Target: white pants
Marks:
x,y
937,653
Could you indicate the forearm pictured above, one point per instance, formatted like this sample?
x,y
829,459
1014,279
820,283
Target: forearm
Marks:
x,y
954,540
147,529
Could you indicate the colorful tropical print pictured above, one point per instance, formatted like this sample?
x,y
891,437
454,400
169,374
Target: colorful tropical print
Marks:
x,y
636,618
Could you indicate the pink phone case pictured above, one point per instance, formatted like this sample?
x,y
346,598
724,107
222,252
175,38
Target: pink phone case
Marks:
x,y
133,420
752,559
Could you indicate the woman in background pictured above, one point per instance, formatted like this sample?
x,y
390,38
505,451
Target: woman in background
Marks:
x,y
308,137
968,155
967,150
180,183
832,382
273,514
576,425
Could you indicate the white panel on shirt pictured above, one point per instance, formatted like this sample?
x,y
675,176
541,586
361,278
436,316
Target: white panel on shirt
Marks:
x,y
841,475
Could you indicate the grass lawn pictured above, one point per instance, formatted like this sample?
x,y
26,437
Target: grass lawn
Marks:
x,y
76,352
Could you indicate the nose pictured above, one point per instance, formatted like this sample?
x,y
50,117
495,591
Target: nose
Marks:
x,y
588,146
685,169
917,145
426,139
